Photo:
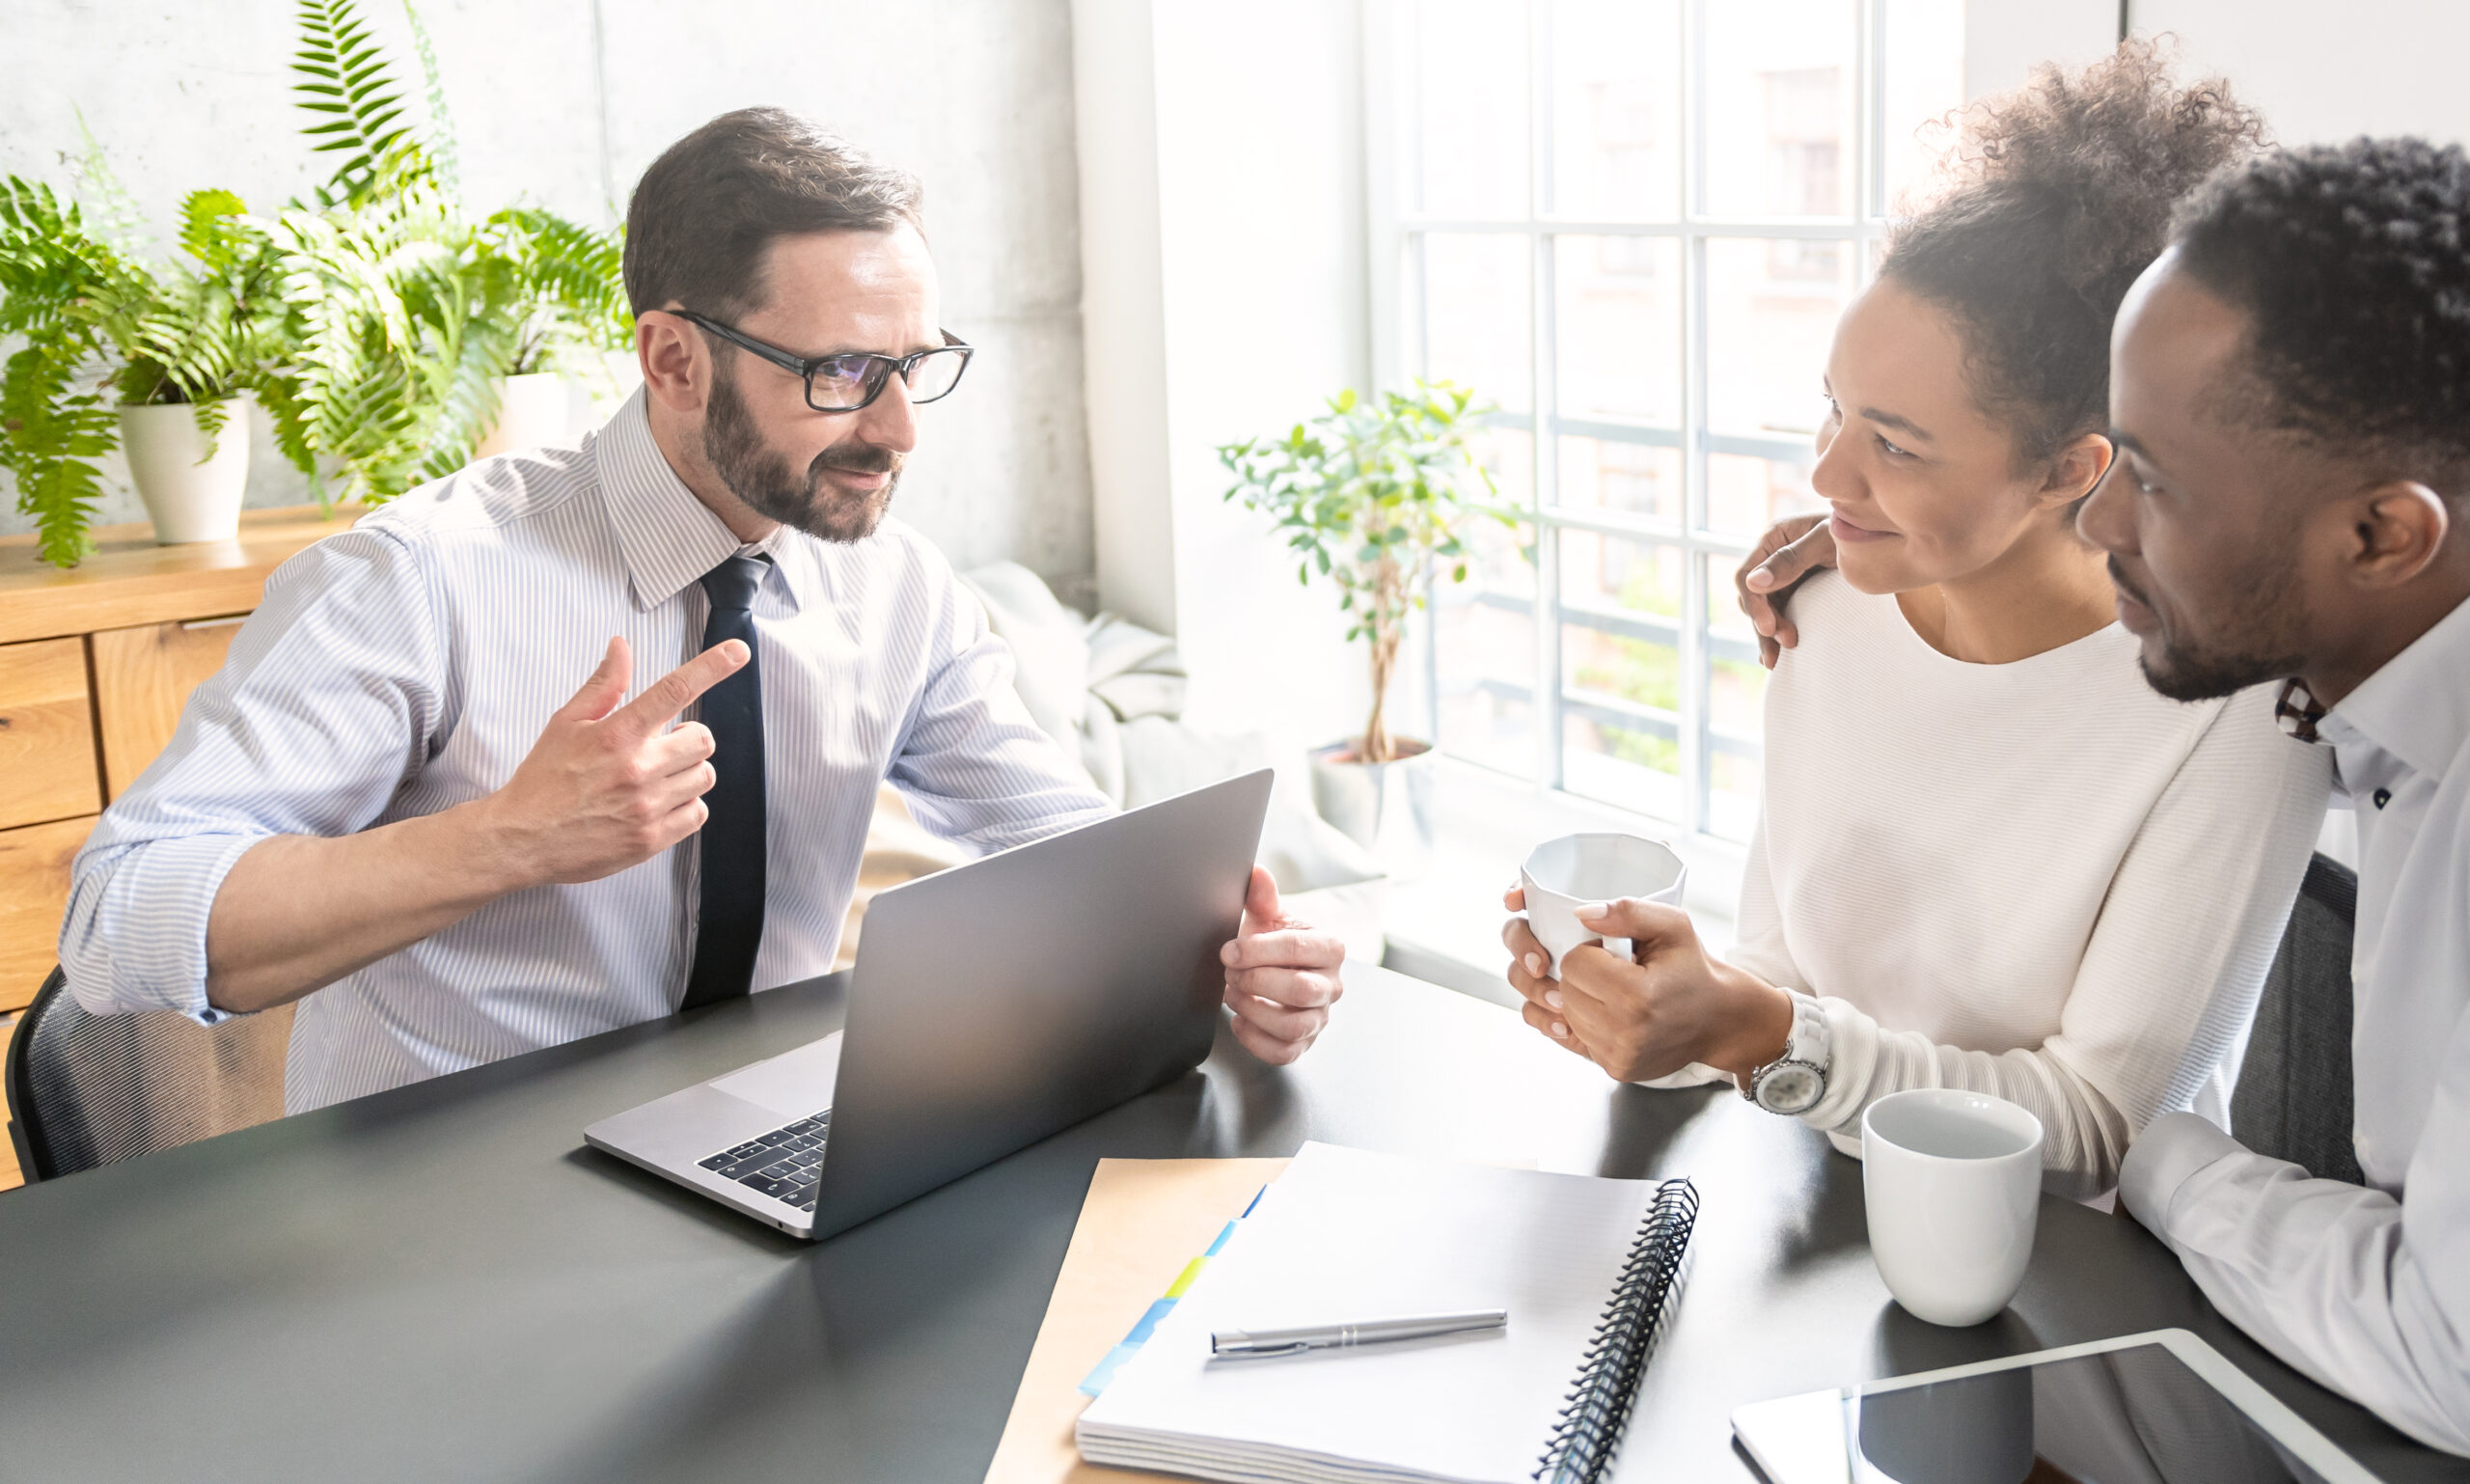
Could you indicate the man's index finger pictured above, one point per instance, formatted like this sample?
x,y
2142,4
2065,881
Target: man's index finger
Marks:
x,y
673,693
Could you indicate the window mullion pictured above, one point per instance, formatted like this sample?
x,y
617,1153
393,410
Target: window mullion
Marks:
x,y
1545,339
1694,416
1870,125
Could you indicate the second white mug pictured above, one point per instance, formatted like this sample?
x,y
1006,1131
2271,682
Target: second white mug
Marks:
x,y
1953,1183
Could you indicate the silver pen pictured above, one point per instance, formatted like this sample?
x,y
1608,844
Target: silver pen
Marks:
x,y
1259,1344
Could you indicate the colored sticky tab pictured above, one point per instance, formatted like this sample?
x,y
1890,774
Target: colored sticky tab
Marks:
x,y
1104,1370
1096,1380
1192,1270
1148,1322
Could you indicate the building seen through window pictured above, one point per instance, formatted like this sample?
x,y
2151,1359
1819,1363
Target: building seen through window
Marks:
x,y
1630,225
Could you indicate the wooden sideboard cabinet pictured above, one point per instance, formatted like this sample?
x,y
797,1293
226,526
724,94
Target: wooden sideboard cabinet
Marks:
x,y
96,663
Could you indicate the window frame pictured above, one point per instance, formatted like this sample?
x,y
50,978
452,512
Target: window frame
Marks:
x,y
1397,234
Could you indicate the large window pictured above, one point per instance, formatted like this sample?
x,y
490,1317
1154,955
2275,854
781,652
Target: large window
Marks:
x,y
1630,226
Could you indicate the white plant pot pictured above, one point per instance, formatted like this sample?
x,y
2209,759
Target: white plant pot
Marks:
x,y
1385,807
190,496
532,414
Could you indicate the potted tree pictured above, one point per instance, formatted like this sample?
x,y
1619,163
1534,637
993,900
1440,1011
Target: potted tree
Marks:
x,y
1374,496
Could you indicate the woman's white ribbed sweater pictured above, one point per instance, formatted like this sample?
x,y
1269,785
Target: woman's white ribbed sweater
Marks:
x,y
2038,879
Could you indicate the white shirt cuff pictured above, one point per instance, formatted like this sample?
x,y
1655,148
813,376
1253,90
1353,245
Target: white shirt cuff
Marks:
x,y
1697,1074
2170,1151
1853,1058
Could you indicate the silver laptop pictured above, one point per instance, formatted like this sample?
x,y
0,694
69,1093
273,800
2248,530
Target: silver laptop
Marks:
x,y
991,1005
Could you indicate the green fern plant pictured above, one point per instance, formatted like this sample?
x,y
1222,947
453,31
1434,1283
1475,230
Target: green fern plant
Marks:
x,y
412,313
53,421
351,396
198,333
568,281
100,319
373,321
345,82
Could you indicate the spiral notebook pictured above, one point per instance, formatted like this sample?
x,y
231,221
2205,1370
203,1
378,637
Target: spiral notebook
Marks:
x,y
1585,1267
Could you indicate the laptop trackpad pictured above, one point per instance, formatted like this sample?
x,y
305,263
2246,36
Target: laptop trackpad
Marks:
x,y
794,1084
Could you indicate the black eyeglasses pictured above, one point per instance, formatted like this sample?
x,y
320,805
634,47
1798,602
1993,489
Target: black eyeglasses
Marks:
x,y
853,380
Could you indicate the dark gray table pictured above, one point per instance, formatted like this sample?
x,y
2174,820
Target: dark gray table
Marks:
x,y
440,1283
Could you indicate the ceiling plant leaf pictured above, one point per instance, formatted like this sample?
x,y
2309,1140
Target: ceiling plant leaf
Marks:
x,y
344,81
444,158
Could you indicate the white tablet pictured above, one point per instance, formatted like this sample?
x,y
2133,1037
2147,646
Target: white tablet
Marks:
x,y
2163,1407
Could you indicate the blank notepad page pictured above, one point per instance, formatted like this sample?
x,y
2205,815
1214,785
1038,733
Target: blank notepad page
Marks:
x,y
1346,1235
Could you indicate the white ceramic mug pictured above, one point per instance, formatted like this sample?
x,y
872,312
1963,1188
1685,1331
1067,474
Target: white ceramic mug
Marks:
x,y
1953,1182
1562,875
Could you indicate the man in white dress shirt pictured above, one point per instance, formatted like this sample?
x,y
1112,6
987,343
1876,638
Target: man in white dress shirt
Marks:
x,y
395,795
2291,389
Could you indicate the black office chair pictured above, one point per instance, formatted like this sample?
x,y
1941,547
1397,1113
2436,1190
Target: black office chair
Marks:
x,y
2292,1100
91,1090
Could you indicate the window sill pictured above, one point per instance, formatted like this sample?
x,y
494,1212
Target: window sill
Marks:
x,y
1445,923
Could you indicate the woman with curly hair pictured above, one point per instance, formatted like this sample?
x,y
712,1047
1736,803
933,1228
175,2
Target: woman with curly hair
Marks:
x,y
1989,856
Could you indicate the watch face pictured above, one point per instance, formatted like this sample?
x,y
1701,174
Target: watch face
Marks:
x,y
1794,1087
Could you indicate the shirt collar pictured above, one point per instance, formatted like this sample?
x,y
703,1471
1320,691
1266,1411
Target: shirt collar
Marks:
x,y
2415,707
667,537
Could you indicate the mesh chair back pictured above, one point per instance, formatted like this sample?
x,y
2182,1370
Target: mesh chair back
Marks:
x,y
2292,1100
89,1090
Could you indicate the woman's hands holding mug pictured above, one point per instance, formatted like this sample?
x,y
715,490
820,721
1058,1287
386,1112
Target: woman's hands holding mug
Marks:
x,y
1651,1015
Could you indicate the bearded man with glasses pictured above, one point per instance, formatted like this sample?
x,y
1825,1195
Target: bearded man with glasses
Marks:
x,y
395,794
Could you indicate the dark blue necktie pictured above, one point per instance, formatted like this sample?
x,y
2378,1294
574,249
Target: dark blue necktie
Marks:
x,y
730,924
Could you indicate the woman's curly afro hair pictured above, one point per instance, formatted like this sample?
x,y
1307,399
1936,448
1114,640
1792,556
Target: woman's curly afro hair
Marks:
x,y
2352,263
2059,194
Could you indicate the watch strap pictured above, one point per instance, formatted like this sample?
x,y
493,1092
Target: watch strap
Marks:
x,y
1809,1046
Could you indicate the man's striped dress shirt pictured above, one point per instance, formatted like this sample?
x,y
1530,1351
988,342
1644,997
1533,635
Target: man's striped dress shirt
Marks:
x,y
409,664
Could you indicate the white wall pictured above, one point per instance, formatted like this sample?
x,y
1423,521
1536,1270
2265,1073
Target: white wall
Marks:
x,y
1226,295
2005,39
974,95
2322,70
2327,71
1123,307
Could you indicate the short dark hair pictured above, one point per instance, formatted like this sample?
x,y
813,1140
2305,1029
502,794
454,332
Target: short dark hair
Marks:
x,y
705,213
2352,264
2059,194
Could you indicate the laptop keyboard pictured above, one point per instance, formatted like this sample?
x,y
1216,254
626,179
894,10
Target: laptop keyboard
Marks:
x,y
782,1164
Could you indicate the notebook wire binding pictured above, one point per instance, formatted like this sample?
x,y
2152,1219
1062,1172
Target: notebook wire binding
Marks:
x,y
1588,1433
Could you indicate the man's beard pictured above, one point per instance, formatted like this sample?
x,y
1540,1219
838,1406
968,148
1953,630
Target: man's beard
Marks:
x,y
2265,622
760,476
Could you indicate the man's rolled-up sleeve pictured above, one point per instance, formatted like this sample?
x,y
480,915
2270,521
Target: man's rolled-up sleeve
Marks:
x,y
328,704
2367,1294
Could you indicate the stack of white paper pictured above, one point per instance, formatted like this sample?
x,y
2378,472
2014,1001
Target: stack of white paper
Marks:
x,y
1346,1235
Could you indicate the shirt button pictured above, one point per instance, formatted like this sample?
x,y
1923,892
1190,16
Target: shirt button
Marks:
x,y
2383,796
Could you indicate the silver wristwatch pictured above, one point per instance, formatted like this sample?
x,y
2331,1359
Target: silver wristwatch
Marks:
x,y
1795,1081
